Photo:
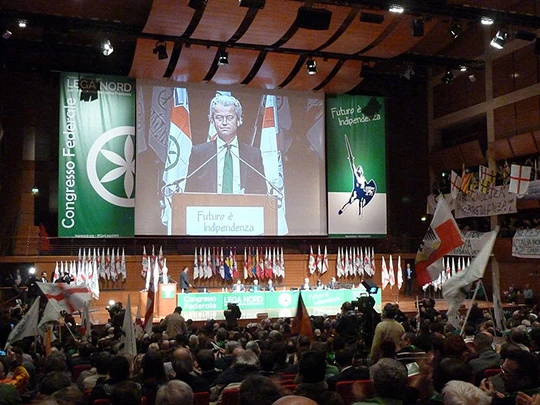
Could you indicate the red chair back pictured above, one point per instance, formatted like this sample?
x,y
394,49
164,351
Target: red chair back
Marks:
x,y
230,396
101,401
490,372
201,398
344,389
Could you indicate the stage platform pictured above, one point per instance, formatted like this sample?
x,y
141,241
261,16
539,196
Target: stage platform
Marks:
x,y
99,315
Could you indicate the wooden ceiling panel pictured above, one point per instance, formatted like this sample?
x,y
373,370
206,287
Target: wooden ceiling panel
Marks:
x,y
145,63
453,157
472,153
194,64
435,39
347,78
359,35
240,63
399,40
274,70
264,30
170,17
227,12
312,39
500,149
304,81
523,144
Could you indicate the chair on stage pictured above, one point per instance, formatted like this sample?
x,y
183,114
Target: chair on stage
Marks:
x,y
344,389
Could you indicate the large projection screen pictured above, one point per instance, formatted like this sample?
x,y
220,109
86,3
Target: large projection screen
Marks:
x,y
179,161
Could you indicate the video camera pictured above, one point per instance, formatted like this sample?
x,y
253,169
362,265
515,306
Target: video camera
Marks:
x,y
363,303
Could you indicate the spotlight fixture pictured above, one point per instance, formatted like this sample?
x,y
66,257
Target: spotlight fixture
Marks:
x,y
311,66
455,29
487,20
525,35
252,3
311,18
472,78
161,50
409,72
418,27
223,58
6,34
499,39
396,8
197,4
448,77
22,23
107,48
462,68
371,18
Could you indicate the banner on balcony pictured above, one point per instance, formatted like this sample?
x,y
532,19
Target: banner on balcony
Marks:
x,y
96,185
526,243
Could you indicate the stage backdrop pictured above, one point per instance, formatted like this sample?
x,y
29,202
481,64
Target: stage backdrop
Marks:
x,y
96,156
287,127
356,166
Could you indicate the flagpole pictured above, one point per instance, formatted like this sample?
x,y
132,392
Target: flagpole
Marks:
x,y
470,307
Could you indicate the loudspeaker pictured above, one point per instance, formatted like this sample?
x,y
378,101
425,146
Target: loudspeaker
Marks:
x,y
370,286
313,18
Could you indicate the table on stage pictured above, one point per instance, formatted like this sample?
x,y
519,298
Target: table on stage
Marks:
x,y
203,306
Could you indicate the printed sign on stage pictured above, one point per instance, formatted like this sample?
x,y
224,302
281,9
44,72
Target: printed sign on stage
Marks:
x,y
96,185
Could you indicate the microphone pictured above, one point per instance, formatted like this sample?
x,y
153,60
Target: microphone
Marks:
x,y
272,186
179,181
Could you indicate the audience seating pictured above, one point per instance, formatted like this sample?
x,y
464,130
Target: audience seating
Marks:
x,y
102,401
230,396
78,369
344,389
490,372
201,398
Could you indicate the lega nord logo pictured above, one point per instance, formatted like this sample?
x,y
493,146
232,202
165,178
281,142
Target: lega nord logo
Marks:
x,y
120,163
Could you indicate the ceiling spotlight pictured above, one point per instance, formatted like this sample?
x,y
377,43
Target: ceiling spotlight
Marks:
x,y
409,72
487,20
197,4
448,77
418,27
455,30
462,68
252,3
499,39
161,50
396,8
472,78
223,58
107,47
22,23
6,34
311,66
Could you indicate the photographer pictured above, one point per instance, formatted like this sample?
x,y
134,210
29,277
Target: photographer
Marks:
x,y
348,325
232,315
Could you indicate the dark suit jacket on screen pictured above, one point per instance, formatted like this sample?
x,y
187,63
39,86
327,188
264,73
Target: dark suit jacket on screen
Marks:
x,y
205,180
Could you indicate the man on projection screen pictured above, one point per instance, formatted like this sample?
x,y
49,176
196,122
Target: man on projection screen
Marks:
x,y
225,165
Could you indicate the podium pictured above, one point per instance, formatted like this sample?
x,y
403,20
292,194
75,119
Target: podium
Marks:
x,y
166,299
202,214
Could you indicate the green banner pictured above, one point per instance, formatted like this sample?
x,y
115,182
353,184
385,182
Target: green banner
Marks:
x,y
200,306
356,166
96,185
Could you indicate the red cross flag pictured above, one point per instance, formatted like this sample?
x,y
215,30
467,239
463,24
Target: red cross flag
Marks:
x,y
520,177
69,298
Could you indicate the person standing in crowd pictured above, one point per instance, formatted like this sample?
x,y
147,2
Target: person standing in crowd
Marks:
x,y
184,280
174,323
388,328
232,315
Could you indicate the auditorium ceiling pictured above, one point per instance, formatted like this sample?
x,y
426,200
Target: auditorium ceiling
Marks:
x,y
351,42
